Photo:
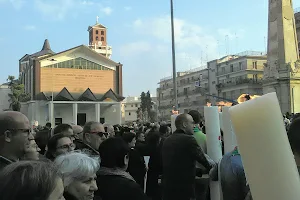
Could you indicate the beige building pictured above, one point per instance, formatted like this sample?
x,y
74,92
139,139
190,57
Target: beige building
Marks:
x,y
297,21
191,86
236,75
130,106
4,98
222,79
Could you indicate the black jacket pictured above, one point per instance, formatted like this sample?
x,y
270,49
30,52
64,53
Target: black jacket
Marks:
x,y
85,148
155,170
180,153
4,162
137,167
113,187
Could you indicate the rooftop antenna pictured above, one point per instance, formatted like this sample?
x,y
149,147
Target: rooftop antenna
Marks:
x,y
226,44
218,44
206,53
265,44
201,59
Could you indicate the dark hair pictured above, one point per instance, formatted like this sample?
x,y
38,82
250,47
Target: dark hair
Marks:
x,y
196,116
52,144
112,152
294,136
128,136
42,138
163,129
28,180
48,124
296,116
61,128
88,126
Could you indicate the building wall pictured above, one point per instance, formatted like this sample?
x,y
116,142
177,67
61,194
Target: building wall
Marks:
x,y
190,97
93,35
4,98
297,20
76,80
228,77
38,111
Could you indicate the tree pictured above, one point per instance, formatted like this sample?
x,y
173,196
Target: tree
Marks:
x,y
146,105
17,94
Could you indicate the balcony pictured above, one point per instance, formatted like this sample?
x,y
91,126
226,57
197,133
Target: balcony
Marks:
x,y
163,107
247,81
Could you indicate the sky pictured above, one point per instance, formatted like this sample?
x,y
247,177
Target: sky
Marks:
x,y
138,31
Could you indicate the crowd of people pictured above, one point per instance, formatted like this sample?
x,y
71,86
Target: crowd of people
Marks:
x,y
105,162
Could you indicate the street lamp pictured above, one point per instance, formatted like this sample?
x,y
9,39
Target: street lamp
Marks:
x,y
174,58
52,60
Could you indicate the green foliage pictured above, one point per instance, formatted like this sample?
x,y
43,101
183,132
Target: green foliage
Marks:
x,y
17,94
146,102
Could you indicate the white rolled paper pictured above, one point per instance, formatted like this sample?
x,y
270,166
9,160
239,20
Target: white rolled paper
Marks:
x,y
214,148
221,120
212,127
173,118
268,160
228,134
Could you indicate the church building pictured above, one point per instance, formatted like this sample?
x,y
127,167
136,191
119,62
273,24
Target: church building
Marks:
x,y
74,86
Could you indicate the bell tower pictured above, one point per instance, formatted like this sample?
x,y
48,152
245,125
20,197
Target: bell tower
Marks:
x,y
282,70
98,39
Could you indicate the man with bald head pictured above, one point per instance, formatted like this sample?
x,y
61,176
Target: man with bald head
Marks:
x,y
15,133
179,153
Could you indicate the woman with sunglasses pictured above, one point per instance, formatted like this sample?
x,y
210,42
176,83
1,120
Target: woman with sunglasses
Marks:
x,y
59,144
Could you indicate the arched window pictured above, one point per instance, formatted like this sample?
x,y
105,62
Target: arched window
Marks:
x,y
102,38
96,37
96,31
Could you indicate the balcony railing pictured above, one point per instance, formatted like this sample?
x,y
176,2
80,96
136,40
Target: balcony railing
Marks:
x,y
247,81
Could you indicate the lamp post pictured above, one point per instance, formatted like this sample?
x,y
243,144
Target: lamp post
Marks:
x,y
174,58
52,60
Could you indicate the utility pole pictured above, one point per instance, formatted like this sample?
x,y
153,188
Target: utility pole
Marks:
x,y
174,58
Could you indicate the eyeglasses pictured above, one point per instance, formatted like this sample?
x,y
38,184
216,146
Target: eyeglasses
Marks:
x,y
27,131
67,146
100,133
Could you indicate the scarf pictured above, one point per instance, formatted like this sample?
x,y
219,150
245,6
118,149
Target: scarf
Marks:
x,y
236,152
104,171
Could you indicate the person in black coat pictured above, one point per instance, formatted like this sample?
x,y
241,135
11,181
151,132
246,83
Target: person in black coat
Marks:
x,y
113,181
136,165
180,152
155,142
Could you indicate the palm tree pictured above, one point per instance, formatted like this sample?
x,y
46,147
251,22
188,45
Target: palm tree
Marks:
x,y
17,94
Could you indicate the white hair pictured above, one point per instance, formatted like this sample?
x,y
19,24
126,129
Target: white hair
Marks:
x,y
76,165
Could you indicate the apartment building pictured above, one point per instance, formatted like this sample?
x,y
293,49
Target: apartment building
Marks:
x,y
192,86
238,74
130,106
222,79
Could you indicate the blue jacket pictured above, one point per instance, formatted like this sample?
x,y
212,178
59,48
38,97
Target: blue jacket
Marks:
x,y
233,179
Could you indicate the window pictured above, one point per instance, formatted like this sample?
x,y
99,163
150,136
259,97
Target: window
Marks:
x,y
214,82
97,38
136,105
131,106
223,70
102,39
102,32
78,63
240,65
231,68
201,77
185,91
96,31
254,65
129,113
